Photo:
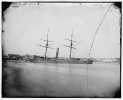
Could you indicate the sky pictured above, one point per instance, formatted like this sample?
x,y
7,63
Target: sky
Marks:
x,y
27,24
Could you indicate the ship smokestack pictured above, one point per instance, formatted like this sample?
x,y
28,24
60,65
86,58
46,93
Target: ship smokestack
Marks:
x,y
57,53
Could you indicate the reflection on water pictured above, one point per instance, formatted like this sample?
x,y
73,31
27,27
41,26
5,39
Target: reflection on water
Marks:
x,y
63,68
60,80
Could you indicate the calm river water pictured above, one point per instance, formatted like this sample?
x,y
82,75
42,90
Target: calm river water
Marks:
x,y
26,79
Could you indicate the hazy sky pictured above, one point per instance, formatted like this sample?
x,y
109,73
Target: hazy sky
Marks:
x,y
25,25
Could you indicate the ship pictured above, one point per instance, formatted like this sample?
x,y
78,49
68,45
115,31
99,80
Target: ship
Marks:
x,y
56,59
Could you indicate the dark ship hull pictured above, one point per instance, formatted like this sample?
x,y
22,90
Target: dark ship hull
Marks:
x,y
89,61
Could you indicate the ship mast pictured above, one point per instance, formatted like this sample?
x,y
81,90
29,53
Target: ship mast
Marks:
x,y
47,46
71,44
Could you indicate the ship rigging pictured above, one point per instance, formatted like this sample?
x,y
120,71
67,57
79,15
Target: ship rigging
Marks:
x,y
47,45
71,44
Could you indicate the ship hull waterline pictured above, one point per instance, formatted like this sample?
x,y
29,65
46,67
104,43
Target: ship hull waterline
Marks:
x,y
65,62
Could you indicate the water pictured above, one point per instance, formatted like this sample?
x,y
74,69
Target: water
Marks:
x,y
62,80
